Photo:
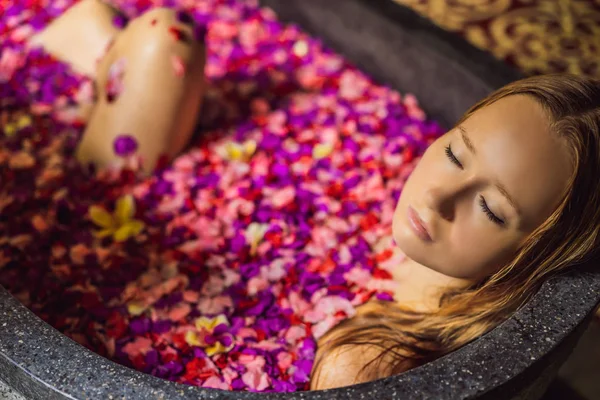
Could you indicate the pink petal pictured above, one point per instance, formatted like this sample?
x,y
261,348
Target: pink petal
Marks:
x,y
256,284
178,65
115,84
191,296
78,253
295,333
21,160
137,346
256,380
358,275
179,312
215,383
10,61
284,360
323,326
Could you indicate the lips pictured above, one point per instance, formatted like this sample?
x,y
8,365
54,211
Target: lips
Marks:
x,y
418,225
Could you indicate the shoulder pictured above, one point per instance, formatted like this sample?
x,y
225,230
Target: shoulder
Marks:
x,y
348,365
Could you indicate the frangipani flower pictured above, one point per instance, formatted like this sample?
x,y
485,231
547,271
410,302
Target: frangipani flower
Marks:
x,y
12,128
120,225
212,335
136,308
239,152
255,234
322,150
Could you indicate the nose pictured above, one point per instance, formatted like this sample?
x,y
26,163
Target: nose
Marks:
x,y
443,197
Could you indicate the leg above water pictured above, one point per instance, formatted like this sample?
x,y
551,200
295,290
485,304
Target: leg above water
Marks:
x,y
150,86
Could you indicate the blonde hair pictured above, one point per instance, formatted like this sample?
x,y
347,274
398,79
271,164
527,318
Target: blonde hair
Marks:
x,y
406,338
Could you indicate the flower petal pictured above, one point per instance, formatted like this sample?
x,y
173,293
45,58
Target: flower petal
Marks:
x,y
218,320
125,209
124,232
203,323
103,233
216,349
101,217
115,81
135,308
249,147
322,151
10,130
192,339
234,151
135,226
124,145
24,121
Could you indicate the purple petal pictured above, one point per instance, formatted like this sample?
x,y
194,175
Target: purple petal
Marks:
x,y
162,326
384,296
210,340
119,21
139,326
237,243
226,340
174,367
125,145
220,329
152,358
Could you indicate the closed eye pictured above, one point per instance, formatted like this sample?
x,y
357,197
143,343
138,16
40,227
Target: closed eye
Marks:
x,y
452,157
491,216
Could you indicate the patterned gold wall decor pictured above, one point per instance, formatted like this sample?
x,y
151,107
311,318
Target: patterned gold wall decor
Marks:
x,y
538,36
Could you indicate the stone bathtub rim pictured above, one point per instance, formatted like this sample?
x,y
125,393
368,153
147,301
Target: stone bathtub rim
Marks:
x,y
41,363
43,359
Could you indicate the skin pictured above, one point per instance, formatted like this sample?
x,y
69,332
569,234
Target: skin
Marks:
x,y
157,107
513,146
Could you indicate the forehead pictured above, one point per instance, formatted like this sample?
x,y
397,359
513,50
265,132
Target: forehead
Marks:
x,y
515,146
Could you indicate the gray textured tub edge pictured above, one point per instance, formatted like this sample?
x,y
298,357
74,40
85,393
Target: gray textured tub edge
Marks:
x,y
517,360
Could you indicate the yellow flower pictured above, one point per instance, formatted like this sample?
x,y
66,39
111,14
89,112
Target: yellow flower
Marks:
x,y
322,151
216,349
192,339
210,324
300,48
206,326
136,308
12,128
254,235
23,121
120,225
240,152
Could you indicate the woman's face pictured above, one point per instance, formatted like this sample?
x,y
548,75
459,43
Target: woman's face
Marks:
x,y
481,188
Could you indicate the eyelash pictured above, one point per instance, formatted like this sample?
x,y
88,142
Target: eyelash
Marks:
x,y
492,217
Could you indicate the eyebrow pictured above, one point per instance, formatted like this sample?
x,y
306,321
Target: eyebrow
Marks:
x,y
501,188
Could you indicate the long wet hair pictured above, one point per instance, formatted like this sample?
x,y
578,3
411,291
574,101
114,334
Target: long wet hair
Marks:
x,y
406,339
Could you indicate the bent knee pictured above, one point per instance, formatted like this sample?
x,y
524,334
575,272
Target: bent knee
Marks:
x,y
153,38
159,30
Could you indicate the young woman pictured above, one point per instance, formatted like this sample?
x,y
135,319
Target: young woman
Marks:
x,y
501,202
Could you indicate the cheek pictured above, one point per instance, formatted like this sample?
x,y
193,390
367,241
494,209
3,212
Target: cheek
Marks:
x,y
475,250
467,249
417,180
